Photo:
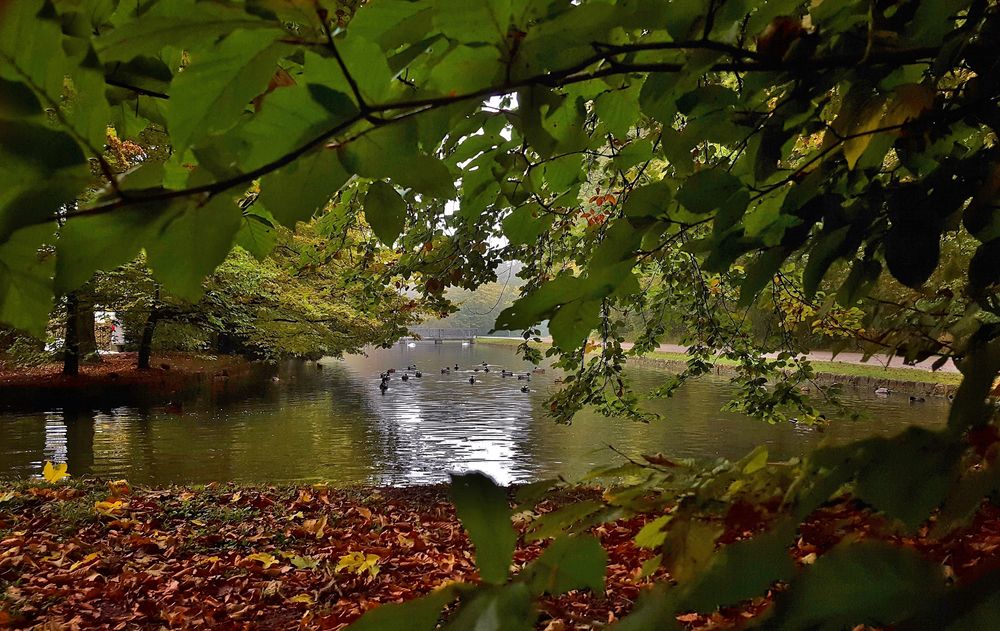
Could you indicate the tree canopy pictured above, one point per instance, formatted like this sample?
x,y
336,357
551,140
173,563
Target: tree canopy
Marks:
x,y
789,150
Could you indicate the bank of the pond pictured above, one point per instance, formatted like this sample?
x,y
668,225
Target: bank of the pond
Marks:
x,y
88,555
115,380
908,381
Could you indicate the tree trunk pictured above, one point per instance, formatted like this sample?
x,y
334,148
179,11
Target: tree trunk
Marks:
x,y
71,340
85,330
146,343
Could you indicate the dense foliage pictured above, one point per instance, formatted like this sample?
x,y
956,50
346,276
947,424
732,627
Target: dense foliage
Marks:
x,y
818,147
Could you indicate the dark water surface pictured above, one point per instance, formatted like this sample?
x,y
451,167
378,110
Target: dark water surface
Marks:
x,y
334,424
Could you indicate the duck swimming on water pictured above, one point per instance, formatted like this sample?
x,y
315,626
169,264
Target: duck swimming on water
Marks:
x,y
405,377
383,386
525,389
418,374
472,380
445,370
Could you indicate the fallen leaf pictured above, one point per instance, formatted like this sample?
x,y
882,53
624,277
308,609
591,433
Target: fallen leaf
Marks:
x,y
110,508
264,558
302,598
54,473
119,487
304,563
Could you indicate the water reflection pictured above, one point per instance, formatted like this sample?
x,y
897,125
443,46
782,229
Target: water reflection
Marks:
x,y
332,422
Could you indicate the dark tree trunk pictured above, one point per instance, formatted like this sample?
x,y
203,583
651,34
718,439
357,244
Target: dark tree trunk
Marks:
x,y
146,343
85,330
71,341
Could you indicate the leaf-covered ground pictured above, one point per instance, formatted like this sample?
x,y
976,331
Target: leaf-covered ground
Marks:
x,y
92,555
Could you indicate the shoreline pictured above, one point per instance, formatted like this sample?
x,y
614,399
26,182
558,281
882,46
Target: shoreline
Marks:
x,y
172,377
907,381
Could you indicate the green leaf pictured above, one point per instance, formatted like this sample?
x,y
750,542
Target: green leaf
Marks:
x,y
742,570
392,23
257,234
652,535
688,548
909,477
870,583
482,507
211,93
569,562
465,69
42,169
295,192
192,243
506,608
184,24
26,279
561,520
526,224
385,211
419,614
650,200
619,109
760,273
707,190
479,22
105,241
829,246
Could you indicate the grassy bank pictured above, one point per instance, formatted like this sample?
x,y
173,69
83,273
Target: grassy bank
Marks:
x,y
88,555
864,372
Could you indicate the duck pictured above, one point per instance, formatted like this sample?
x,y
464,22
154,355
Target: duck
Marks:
x,y
418,374
405,377
484,364
525,389
917,399
524,377
391,371
383,386
487,369
276,379
411,367
456,366
883,392
445,371
538,371
475,370
472,380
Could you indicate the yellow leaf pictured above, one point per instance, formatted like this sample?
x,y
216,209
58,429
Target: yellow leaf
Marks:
x,y
303,563
264,558
119,487
359,563
54,473
8,496
110,508
85,560
302,598
756,461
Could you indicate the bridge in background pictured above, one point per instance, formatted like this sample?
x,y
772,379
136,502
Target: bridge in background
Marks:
x,y
436,335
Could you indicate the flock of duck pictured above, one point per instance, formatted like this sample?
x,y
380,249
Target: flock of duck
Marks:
x,y
884,392
484,367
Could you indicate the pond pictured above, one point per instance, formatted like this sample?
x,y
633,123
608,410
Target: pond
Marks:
x,y
331,422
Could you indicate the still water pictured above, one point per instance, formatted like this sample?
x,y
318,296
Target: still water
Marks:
x,y
332,423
